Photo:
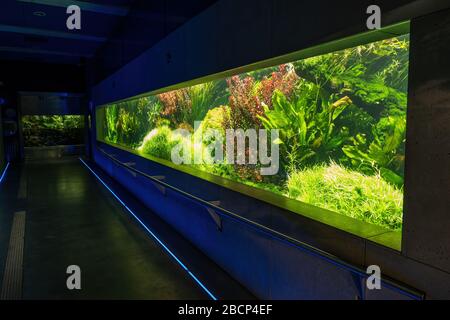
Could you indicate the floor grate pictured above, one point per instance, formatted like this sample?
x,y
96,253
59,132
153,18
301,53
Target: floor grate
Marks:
x,y
13,275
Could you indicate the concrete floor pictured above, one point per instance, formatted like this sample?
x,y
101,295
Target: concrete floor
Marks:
x,y
71,219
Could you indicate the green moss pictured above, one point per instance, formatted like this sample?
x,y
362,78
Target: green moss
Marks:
x,y
158,143
367,198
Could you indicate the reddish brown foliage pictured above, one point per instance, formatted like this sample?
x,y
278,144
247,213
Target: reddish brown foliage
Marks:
x,y
284,80
176,104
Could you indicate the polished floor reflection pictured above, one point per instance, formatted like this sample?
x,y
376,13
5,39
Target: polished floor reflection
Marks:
x,y
71,219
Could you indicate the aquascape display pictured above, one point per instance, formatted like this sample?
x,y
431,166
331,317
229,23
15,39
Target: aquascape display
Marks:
x,y
327,130
52,130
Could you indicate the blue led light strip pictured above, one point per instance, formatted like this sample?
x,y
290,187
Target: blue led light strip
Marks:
x,y
4,172
152,234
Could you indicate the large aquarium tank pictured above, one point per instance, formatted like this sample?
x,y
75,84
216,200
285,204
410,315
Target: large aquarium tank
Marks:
x,y
52,130
339,119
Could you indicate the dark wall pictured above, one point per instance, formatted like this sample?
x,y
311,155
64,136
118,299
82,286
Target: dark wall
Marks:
x,y
234,33
427,212
27,76
146,24
9,123
38,103
2,148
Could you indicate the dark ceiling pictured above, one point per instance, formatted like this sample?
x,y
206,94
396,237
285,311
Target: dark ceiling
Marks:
x,y
112,31
35,30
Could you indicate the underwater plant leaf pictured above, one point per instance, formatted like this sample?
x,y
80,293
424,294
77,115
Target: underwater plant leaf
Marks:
x,y
391,177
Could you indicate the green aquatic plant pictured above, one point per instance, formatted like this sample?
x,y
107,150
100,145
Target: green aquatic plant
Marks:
x,y
73,122
52,130
384,154
53,122
125,125
128,122
152,108
363,197
374,75
248,95
216,119
283,80
202,99
356,120
306,125
111,116
187,105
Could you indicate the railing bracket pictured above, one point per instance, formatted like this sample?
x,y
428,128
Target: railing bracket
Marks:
x,y
216,218
161,188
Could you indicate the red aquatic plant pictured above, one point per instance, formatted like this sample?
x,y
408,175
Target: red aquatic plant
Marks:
x,y
284,80
245,107
176,105
244,104
247,99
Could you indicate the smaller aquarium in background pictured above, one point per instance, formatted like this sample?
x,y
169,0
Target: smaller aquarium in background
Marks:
x,y
340,117
53,130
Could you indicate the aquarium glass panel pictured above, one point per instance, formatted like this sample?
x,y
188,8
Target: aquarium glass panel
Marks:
x,y
335,123
54,130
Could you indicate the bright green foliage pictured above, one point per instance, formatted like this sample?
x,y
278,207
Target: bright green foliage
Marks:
x,y
384,154
52,130
202,100
159,143
151,108
307,127
127,123
366,198
54,122
374,76
216,119
73,122
111,116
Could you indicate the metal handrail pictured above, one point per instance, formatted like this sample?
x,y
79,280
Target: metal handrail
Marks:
x,y
273,233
